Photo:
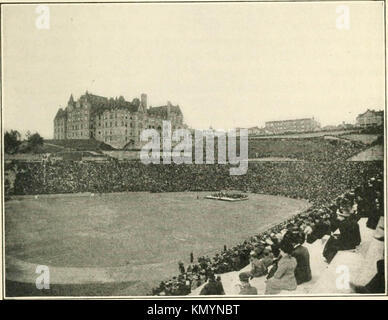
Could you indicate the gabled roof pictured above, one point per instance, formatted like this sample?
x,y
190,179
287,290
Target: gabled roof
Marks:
x,y
99,104
93,98
162,110
60,114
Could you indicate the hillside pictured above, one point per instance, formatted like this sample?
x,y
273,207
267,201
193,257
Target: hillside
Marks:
x,y
81,145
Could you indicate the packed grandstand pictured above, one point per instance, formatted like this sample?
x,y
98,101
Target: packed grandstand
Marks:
x,y
353,190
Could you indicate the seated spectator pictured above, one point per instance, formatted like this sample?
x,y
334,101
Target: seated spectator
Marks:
x,y
275,259
376,284
284,277
196,282
362,205
318,230
376,211
292,231
302,256
349,235
267,257
183,286
258,268
245,286
213,287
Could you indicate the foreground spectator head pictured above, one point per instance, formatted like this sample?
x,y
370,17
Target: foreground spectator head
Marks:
x,y
275,250
286,247
244,277
267,251
300,238
258,251
211,276
379,234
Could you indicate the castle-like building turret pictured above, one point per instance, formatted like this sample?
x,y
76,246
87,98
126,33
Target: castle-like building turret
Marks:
x,y
114,121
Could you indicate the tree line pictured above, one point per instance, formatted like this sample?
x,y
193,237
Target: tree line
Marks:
x,y
13,142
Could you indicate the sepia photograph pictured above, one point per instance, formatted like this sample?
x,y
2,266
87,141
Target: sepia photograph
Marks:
x,y
178,150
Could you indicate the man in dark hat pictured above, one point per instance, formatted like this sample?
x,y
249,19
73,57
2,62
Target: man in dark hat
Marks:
x,y
302,256
318,230
245,286
213,287
292,230
181,267
348,238
236,260
376,211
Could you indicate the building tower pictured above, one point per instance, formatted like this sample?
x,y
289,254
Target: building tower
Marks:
x,y
143,101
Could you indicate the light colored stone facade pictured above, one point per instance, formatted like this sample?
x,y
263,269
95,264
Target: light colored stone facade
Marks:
x,y
370,118
296,125
116,122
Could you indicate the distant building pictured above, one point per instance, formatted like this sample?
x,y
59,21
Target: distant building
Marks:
x,y
256,131
370,118
116,122
345,126
329,127
296,125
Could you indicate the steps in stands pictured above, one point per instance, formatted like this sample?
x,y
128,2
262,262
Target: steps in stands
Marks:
x,y
326,278
357,265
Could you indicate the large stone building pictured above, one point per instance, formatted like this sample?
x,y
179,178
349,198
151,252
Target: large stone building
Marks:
x,y
116,122
296,125
370,118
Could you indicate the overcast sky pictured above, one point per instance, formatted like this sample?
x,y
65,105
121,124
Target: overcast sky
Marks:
x,y
226,65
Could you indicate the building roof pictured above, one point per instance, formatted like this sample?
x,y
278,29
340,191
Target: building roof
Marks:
x,y
282,121
71,101
60,114
99,104
163,110
379,112
93,98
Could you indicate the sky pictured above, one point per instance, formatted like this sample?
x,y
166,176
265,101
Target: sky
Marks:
x,y
226,65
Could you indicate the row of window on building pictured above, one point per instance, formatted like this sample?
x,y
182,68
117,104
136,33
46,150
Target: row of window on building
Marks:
x,y
111,138
126,132
114,116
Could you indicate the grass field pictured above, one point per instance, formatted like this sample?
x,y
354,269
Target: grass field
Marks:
x,y
302,135
132,237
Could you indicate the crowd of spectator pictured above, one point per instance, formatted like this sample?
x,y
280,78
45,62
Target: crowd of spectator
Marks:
x,y
329,186
229,195
318,182
279,254
308,149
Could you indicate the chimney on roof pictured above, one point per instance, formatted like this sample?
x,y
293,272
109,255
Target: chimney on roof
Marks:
x,y
168,109
143,99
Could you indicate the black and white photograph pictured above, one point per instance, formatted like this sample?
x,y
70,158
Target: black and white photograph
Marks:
x,y
178,150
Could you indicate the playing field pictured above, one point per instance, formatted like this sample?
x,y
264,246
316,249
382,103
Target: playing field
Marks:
x,y
135,238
